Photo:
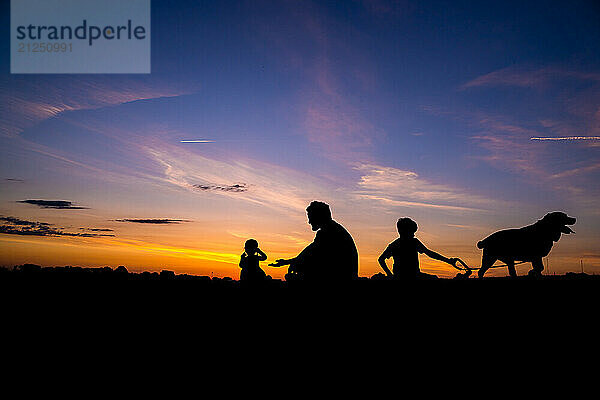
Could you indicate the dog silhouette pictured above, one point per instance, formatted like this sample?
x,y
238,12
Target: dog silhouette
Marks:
x,y
528,244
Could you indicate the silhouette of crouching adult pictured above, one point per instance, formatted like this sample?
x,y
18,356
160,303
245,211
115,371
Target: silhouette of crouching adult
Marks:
x,y
332,256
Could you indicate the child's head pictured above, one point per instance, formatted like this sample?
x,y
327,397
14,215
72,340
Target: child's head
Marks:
x,y
251,245
406,227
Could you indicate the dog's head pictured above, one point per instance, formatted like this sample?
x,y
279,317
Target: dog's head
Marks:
x,y
556,223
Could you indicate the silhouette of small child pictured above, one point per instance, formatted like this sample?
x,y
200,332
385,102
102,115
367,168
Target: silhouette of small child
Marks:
x,y
405,252
249,262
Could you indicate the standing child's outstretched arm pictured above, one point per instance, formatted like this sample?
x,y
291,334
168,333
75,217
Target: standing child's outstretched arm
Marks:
x,y
437,256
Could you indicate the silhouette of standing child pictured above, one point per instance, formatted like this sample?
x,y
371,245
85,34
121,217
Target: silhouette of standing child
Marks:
x,y
405,252
249,260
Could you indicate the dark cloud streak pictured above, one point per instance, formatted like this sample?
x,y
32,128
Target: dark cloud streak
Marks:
x,y
157,221
17,221
55,204
236,188
17,226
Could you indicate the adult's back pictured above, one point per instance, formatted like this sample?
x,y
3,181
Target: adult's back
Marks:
x,y
332,256
335,256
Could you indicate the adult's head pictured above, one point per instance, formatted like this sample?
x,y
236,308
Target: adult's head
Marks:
x,y
406,227
318,214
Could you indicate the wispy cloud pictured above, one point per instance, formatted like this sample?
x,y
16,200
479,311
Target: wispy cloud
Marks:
x,y
510,152
538,167
508,138
400,188
595,166
386,200
338,128
556,105
25,101
332,121
529,77
261,183
56,204
333,114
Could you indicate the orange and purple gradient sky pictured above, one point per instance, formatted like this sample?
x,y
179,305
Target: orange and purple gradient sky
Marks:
x,y
381,109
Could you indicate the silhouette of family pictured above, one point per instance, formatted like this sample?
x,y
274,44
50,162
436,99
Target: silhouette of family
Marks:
x,y
332,255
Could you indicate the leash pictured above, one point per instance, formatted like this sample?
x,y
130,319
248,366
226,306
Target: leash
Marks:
x,y
468,270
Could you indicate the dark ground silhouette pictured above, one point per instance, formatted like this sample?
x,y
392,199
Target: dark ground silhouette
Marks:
x,y
136,316
293,312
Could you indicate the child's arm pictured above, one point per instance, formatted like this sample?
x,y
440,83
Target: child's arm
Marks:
x,y
437,256
243,260
385,255
261,255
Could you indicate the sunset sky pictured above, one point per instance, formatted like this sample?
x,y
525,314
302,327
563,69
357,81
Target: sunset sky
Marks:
x,y
381,109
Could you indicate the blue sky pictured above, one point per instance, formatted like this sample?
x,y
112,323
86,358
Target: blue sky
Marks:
x,y
383,109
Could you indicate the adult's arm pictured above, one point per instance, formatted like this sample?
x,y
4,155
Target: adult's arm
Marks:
x,y
300,258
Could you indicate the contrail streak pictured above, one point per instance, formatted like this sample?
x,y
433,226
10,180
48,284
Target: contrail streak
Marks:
x,y
568,138
196,141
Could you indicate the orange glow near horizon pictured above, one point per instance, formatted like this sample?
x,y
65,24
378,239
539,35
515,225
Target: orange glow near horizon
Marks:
x,y
139,256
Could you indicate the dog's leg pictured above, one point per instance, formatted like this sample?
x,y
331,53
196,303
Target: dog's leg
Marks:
x,y
511,268
538,267
486,262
